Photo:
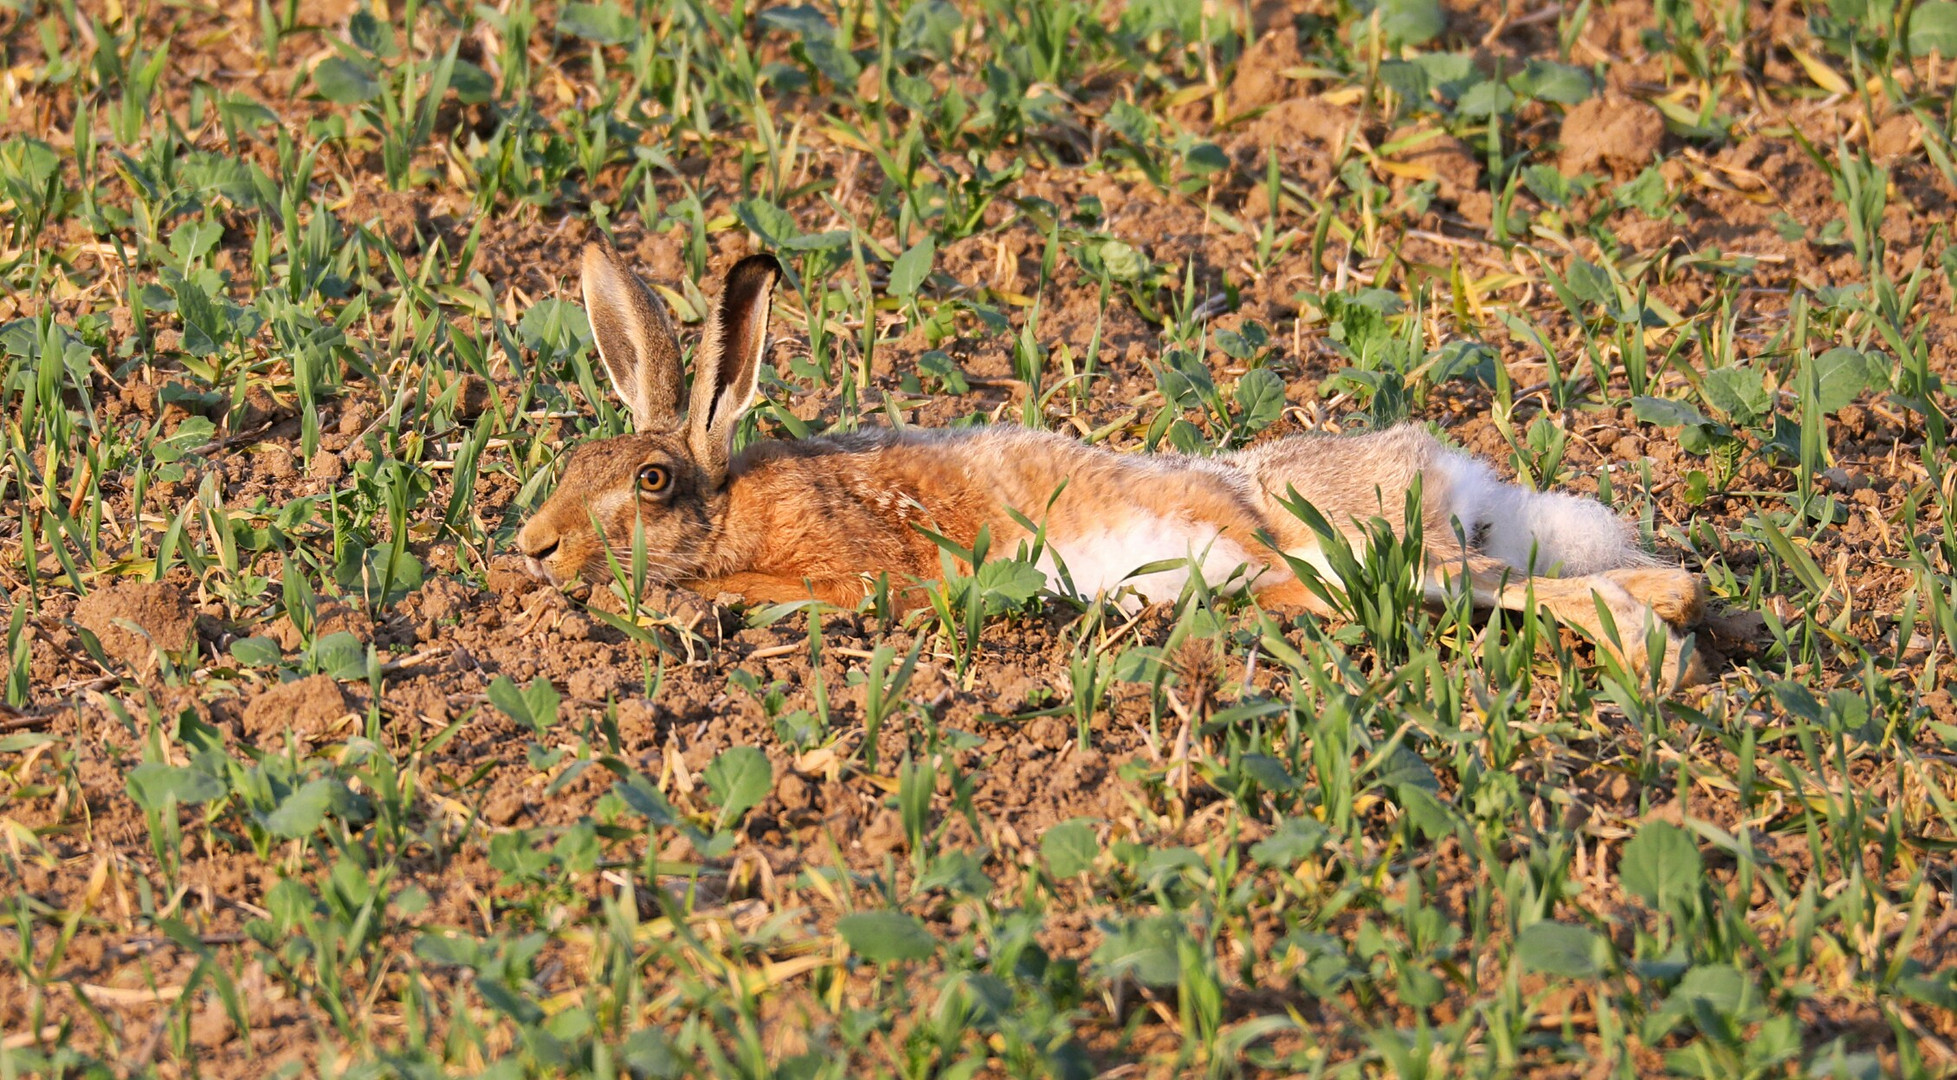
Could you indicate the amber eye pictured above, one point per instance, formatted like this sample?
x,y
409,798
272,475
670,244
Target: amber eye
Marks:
x,y
654,479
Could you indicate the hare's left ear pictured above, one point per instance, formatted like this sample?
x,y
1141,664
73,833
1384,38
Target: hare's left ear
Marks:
x,y
728,363
635,339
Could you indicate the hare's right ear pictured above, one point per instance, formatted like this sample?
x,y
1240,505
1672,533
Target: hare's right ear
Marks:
x,y
727,364
635,340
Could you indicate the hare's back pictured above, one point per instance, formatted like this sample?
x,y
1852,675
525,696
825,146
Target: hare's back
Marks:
x,y
1346,476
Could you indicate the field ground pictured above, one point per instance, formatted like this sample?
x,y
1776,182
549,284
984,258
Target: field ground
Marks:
x,y
303,776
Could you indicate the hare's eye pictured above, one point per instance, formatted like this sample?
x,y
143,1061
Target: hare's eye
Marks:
x,y
654,479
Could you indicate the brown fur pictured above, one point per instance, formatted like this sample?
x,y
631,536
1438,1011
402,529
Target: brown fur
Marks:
x,y
825,517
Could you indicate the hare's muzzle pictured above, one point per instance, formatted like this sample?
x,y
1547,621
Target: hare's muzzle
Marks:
x,y
538,542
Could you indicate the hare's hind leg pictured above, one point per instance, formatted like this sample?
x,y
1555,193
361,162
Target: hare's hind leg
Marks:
x,y
1678,596
1549,532
1574,601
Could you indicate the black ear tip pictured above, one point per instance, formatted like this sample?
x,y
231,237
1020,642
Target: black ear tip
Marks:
x,y
763,266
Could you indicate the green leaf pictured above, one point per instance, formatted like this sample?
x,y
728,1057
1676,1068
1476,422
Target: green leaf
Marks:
x,y
534,706
153,782
299,813
1260,398
1269,772
1205,159
1661,864
1486,98
1291,842
768,221
1070,848
472,85
1403,766
25,740
638,792
804,20
600,24
1123,262
205,328
1408,22
1008,584
885,937
909,272
256,652
939,365
1131,123
1933,28
1843,374
343,82
1546,80
517,856
1739,393
1554,948
1722,989
1144,949
341,655
739,779
1666,413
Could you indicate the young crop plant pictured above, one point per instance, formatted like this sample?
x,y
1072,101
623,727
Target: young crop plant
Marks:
x,y
305,766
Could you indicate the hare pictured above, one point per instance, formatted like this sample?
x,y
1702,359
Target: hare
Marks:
x,y
822,518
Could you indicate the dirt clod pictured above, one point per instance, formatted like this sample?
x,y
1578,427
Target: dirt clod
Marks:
x,y
1615,133
161,614
302,707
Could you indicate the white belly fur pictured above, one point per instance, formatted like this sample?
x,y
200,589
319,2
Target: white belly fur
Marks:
x,y
1105,560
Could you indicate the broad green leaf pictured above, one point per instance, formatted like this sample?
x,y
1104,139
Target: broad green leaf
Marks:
x,y
1291,843
341,655
1554,948
1260,398
151,783
739,779
1667,413
256,652
909,272
1487,98
1933,28
1547,80
768,221
1738,392
1070,848
1144,949
1407,22
1008,584
600,24
1269,772
1123,262
1661,864
1843,374
884,937
343,82
1720,988
299,813
534,706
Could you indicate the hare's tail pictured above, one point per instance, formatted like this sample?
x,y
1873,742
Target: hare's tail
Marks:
x,y
1536,531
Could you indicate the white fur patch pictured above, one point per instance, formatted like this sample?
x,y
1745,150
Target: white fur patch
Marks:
x,y
1543,532
1105,560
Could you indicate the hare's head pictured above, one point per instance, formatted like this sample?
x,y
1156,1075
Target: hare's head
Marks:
x,y
668,479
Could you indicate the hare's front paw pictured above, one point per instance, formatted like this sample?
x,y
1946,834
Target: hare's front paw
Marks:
x,y
684,606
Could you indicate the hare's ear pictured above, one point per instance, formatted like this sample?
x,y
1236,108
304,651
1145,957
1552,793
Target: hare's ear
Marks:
x,y
635,340
728,362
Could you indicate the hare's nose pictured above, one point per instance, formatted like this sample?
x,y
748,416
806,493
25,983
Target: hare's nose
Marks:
x,y
536,542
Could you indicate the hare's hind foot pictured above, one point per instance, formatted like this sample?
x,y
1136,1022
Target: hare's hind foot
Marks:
x,y
1677,596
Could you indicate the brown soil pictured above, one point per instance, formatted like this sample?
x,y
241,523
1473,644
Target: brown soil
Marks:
x,y
478,617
